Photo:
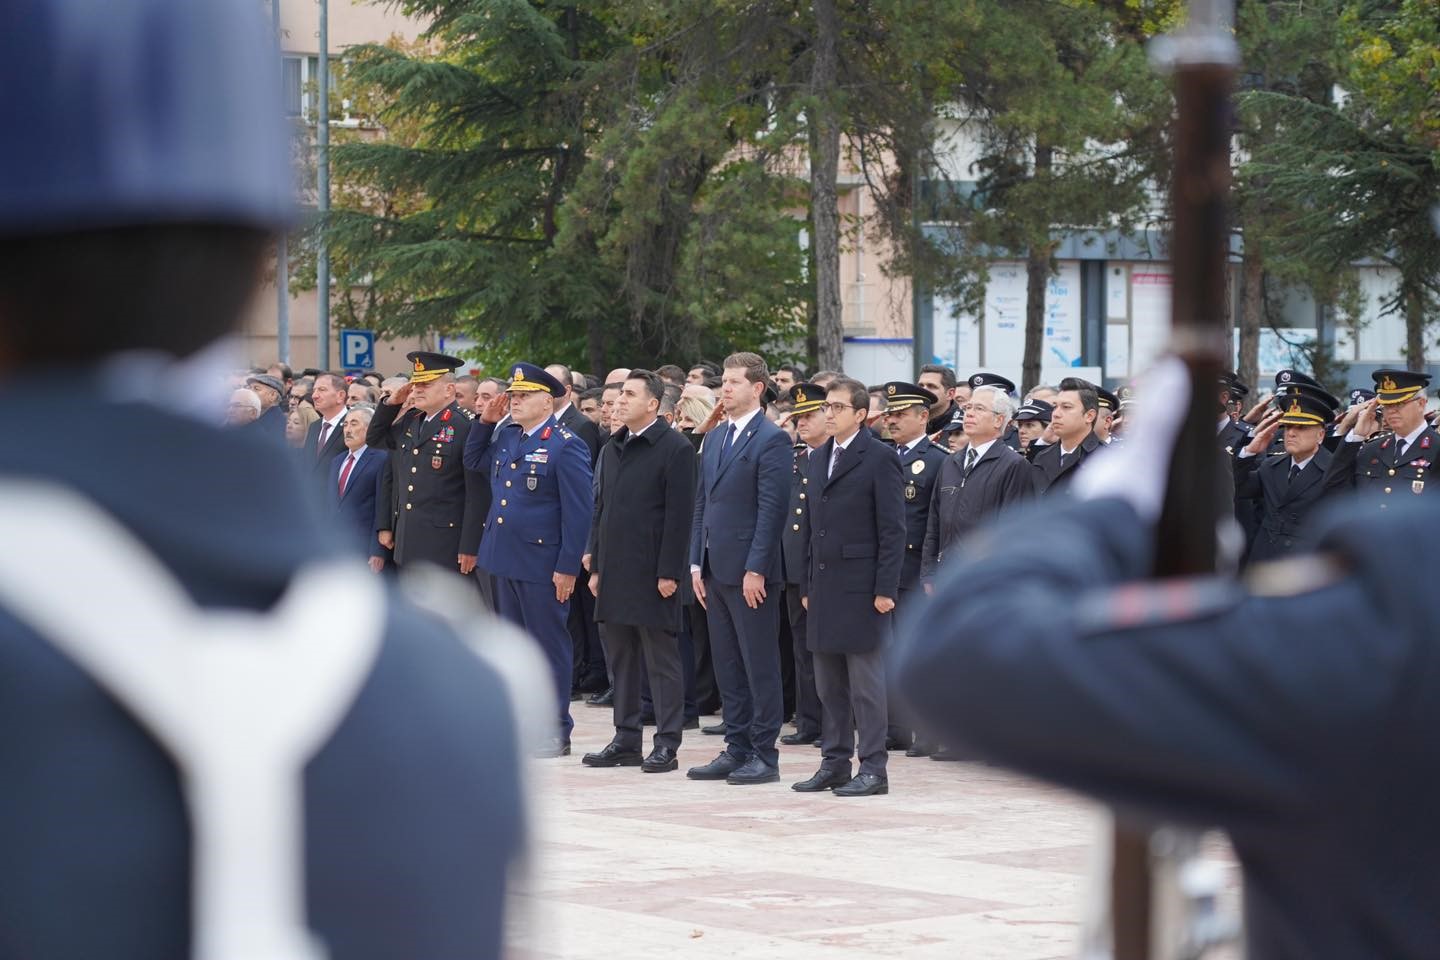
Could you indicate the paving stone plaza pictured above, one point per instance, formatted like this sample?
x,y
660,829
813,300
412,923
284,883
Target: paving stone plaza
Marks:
x,y
959,860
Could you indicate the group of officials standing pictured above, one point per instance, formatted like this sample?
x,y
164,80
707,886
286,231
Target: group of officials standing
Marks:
x,y
813,513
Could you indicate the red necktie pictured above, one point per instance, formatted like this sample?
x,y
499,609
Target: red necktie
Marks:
x,y
345,473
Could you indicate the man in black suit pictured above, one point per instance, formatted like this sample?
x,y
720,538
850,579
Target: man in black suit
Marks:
x,y
437,501
1073,420
323,441
569,416
590,669
639,544
808,415
1287,487
855,527
735,571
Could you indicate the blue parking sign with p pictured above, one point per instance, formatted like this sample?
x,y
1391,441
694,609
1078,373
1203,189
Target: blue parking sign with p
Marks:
x,y
357,349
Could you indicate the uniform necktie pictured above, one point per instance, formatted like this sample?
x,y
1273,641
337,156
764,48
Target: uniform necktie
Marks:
x,y
970,457
1294,471
324,435
345,472
834,459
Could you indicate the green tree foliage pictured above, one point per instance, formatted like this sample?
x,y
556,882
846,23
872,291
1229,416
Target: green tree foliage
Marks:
x,y
1358,177
591,187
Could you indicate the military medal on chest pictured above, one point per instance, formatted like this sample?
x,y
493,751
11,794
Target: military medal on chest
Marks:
x,y
910,492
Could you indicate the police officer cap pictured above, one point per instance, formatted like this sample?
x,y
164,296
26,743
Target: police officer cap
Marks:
x,y
1107,400
957,422
528,378
1285,377
806,397
900,395
1397,386
772,392
1361,395
1305,408
264,379
1284,393
134,112
991,380
431,366
1035,410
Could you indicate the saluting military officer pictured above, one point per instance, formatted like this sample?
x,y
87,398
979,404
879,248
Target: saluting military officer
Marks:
x,y
1286,487
1398,463
541,501
438,517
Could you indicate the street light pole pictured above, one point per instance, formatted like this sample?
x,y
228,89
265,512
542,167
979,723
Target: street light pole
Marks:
x,y
322,204
282,253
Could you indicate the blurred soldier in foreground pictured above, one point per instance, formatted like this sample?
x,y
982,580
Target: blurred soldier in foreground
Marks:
x,y
199,760
1296,709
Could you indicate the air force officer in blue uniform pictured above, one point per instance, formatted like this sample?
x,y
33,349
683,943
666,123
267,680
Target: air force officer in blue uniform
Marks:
x,y
740,505
540,506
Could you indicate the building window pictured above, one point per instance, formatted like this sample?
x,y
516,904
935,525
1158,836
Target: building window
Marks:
x,y
294,86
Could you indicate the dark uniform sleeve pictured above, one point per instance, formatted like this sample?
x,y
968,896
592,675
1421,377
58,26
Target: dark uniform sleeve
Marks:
x,y
772,498
577,504
930,549
1340,475
1247,478
675,534
379,434
889,494
1019,482
1191,701
597,485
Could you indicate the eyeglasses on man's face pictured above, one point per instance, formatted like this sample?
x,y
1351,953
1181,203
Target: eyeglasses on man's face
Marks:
x,y
842,407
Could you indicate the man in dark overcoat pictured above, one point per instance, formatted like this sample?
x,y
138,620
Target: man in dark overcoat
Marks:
x,y
978,482
1077,406
856,531
639,547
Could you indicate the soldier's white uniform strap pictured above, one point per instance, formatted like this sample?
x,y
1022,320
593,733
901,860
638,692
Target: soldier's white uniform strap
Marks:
x,y
240,700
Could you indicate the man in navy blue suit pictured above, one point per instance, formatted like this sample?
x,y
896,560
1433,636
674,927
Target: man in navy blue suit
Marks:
x,y
354,482
740,505
541,501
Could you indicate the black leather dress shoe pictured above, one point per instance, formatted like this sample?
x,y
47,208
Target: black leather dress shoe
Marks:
x,y
692,724
554,747
612,755
822,780
864,785
661,760
894,743
919,749
755,770
799,739
715,729
605,698
718,769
